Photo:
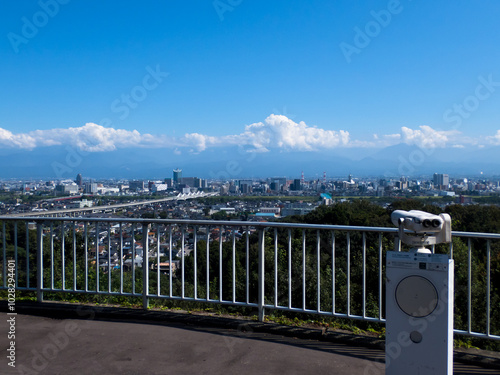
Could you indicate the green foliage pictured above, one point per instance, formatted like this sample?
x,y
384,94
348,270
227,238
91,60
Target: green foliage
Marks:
x,y
221,215
357,213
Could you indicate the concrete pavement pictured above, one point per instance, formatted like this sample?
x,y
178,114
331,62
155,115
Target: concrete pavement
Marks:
x,y
88,341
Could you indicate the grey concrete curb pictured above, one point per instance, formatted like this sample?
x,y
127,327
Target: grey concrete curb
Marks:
x,y
486,359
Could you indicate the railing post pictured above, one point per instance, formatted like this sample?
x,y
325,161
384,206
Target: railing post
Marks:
x,y
39,261
145,266
261,275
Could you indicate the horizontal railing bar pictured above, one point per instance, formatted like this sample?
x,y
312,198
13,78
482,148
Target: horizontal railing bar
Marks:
x,y
149,295
325,313
476,334
204,300
206,222
23,288
240,224
101,292
491,236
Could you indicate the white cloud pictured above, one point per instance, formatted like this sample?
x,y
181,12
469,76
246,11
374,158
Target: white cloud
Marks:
x,y
7,138
494,139
427,137
275,132
198,141
90,137
278,131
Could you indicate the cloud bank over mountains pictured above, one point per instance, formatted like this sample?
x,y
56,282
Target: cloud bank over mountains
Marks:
x,y
277,146
276,132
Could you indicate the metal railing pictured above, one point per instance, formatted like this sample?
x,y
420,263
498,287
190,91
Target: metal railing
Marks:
x,y
327,270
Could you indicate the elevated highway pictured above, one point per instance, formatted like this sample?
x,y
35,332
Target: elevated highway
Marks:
x,y
73,212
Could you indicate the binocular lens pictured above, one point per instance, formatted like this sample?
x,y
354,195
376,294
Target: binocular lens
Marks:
x,y
427,223
436,223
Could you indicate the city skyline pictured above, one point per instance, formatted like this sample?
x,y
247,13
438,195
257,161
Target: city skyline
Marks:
x,y
299,196
291,78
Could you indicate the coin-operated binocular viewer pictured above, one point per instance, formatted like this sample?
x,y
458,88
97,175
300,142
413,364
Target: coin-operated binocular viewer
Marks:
x,y
419,228
419,298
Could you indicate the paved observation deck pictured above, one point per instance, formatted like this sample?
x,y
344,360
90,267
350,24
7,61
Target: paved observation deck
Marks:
x,y
80,339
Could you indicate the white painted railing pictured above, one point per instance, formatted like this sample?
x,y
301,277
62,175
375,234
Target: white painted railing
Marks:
x,y
328,270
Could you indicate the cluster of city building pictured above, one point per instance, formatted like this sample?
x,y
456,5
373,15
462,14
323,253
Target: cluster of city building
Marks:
x,y
439,184
80,193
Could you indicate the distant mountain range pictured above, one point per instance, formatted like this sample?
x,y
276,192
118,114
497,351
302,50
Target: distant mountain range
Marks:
x,y
234,163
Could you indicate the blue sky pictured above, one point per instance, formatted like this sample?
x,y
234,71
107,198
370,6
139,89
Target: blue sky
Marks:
x,y
287,75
